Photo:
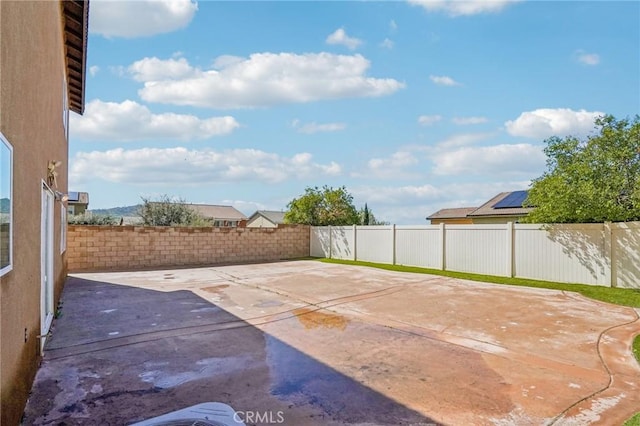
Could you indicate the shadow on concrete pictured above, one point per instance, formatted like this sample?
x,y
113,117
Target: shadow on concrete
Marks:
x,y
121,354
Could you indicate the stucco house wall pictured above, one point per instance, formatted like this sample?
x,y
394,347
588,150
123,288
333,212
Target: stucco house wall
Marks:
x,y
492,220
260,222
33,67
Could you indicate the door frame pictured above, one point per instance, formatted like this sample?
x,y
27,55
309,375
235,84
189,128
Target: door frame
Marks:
x,y
46,262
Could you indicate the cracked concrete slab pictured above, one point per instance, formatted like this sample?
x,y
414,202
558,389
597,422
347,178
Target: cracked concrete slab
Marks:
x,y
314,343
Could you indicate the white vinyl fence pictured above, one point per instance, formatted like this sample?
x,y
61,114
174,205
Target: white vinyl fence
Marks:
x,y
597,254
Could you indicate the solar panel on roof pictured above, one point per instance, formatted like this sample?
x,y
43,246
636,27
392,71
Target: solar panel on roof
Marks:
x,y
73,196
511,201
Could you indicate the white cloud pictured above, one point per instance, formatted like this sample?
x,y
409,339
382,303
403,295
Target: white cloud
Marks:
x,y
393,167
182,166
264,79
428,120
246,207
545,122
587,58
456,8
340,37
397,194
495,160
313,127
129,120
443,80
140,18
93,70
463,139
387,44
464,121
451,195
392,25
154,69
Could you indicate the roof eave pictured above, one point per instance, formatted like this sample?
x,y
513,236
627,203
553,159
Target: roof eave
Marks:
x,y
76,26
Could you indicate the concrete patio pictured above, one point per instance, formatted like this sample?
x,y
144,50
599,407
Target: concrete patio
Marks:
x,y
311,343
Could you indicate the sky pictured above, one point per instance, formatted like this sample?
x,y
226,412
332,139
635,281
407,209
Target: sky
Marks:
x,y
413,106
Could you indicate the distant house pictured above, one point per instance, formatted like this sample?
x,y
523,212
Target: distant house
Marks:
x,y
458,216
78,202
504,207
221,216
265,219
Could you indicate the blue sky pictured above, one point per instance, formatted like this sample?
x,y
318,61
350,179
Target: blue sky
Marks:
x,y
413,106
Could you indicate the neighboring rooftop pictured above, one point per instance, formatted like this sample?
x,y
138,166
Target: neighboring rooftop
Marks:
x,y
456,213
274,216
218,212
78,197
504,204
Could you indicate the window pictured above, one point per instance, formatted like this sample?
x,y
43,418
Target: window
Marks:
x,y
6,205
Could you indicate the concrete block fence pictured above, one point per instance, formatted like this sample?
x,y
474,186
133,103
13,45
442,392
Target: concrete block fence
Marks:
x,y
104,248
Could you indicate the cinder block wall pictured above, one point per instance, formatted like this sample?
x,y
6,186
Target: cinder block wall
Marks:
x,y
104,248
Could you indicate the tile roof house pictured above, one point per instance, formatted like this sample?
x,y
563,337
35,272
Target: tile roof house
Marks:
x,y
42,69
504,207
265,219
78,202
456,216
222,216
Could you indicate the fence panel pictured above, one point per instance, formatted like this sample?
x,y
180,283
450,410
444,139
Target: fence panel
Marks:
x,y
626,254
375,244
319,241
480,249
342,242
595,254
572,253
418,246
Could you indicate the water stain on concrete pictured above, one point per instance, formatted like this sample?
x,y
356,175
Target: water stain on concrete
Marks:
x,y
302,381
216,289
269,304
311,319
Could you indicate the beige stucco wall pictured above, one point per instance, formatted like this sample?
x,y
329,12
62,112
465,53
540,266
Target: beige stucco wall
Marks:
x,y
460,221
31,82
104,248
495,220
260,222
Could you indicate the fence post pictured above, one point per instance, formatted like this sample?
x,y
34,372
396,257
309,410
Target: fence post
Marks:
x,y
355,242
610,270
443,247
510,249
393,244
330,243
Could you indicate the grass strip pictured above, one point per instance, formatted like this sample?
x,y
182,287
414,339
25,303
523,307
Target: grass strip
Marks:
x,y
633,421
617,296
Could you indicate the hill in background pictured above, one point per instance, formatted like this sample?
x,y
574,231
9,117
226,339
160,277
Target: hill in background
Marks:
x,y
118,211
4,205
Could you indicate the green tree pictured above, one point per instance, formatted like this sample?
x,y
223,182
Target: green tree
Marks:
x,y
166,211
592,180
368,218
88,218
323,206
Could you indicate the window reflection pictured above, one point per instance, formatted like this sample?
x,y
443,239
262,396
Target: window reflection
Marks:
x,y
5,205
